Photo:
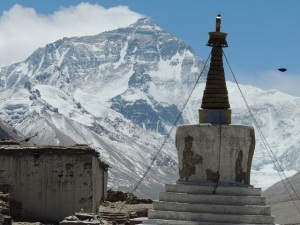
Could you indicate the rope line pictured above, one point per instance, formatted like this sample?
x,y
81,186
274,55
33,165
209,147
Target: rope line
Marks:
x,y
267,146
168,135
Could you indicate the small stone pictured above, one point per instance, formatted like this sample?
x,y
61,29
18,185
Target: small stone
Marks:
x,y
71,218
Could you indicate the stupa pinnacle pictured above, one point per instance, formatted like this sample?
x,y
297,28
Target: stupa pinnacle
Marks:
x,y
215,106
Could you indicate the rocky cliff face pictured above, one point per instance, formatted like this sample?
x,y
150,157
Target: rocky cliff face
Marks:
x,y
120,92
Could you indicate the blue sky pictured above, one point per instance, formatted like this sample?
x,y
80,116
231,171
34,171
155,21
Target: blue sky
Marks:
x,y
263,34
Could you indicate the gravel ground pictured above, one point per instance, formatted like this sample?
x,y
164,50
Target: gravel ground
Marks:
x,y
131,210
127,208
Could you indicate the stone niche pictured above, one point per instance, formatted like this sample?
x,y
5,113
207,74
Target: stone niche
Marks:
x,y
215,153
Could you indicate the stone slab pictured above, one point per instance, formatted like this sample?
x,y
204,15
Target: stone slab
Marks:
x,y
211,199
215,116
181,222
209,188
79,222
210,217
212,208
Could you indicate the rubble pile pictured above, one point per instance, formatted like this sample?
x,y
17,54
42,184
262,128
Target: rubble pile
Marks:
x,y
119,196
114,218
5,218
110,212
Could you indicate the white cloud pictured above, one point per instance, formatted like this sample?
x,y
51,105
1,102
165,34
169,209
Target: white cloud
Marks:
x,y
23,30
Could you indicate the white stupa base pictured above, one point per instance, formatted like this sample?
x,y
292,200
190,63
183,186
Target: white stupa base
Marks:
x,y
207,204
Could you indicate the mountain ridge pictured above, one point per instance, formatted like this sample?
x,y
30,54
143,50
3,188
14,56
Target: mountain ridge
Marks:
x,y
120,92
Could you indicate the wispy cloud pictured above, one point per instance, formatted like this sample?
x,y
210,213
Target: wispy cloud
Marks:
x,y
284,82
287,82
23,30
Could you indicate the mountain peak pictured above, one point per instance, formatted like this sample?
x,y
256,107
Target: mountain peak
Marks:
x,y
146,23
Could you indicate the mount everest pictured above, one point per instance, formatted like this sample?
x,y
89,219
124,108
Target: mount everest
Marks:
x,y
121,91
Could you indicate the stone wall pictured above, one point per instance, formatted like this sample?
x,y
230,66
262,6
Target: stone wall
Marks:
x,y
52,182
5,218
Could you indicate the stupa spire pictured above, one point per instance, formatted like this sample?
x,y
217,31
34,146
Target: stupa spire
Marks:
x,y
214,163
215,106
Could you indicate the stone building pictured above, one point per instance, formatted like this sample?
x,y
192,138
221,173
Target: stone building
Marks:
x,y
214,160
52,182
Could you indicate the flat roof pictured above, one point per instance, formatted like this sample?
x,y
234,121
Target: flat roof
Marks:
x,y
10,147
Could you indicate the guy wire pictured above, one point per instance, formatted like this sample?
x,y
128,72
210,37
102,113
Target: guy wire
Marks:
x,y
267,146
168,135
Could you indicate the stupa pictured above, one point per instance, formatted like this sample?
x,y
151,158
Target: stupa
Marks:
x,y
214,160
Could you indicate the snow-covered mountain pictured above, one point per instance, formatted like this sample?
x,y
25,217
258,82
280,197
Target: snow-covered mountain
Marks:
x,y
121,91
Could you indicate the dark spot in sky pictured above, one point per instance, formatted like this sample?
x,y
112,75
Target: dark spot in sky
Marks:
x,y
282,69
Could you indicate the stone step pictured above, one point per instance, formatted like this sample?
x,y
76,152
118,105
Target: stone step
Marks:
x,y
181,222
210,217
210,189
212,208
211,199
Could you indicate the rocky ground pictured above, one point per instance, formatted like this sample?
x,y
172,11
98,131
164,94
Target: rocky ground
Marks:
x,y
112,210
119,208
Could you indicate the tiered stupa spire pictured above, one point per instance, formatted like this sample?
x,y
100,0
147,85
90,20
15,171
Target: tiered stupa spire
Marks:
x,y
214,163
215,106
